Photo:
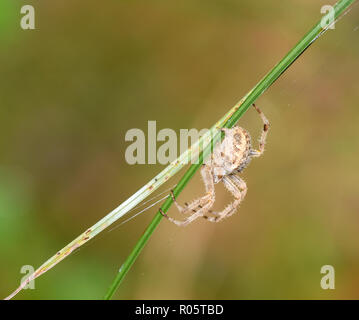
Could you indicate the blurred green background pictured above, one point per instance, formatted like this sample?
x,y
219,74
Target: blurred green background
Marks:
x,y
92,70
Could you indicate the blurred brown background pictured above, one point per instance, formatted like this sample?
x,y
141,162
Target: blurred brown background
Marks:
x,y
92,70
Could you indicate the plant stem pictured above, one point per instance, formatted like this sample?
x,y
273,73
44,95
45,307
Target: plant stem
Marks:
x,y
242,107
152,226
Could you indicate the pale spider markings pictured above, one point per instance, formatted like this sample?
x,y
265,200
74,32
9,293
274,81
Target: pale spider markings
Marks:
x,y
229,157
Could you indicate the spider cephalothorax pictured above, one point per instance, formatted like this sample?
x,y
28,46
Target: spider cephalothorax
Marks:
x,y
229,157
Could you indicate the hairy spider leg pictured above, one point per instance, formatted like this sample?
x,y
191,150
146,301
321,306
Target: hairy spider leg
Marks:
x,y
199,206
263,137
238,188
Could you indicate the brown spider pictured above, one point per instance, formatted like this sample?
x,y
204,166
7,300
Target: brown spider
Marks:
x,y
229,157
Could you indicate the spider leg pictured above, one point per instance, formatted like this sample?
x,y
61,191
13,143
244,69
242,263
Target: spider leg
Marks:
x,y
199,213
239,183
263,138
200,206
192,206
238,188
198,203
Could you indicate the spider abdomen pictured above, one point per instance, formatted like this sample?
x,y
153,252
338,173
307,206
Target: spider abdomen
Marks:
x,y
232,154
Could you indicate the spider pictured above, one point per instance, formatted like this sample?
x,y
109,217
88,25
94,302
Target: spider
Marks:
x,y
229,157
